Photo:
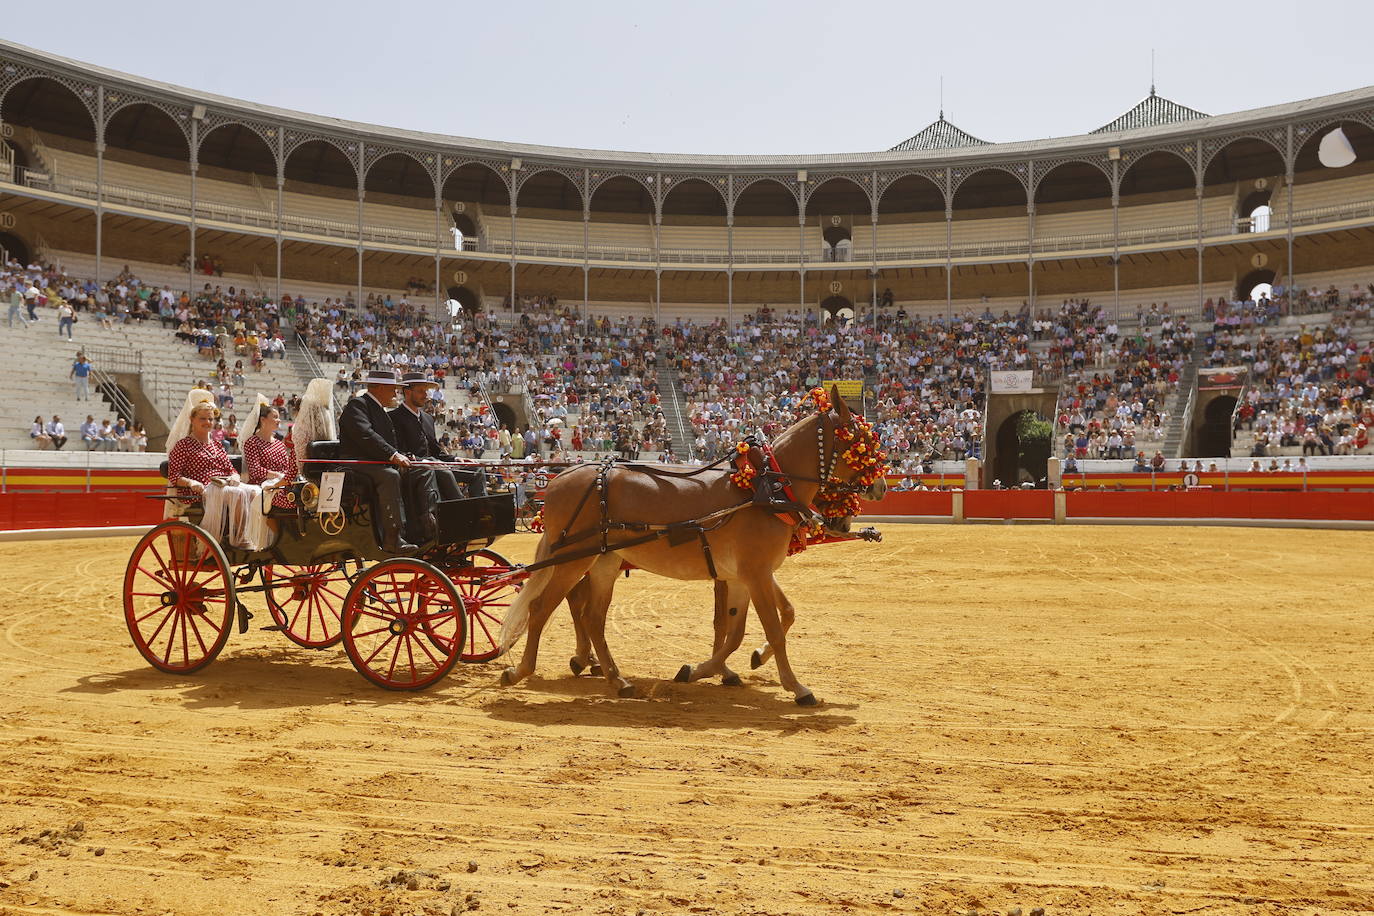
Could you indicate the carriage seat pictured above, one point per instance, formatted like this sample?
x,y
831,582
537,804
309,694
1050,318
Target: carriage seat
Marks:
x,y
328,450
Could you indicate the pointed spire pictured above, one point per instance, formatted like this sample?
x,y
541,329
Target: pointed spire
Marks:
x,y
1151,111
939,134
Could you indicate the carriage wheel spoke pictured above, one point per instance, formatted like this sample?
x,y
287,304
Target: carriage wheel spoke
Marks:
x,y
171,612
410,659
483,624
377,651
395,655
424,648
190,618
170,572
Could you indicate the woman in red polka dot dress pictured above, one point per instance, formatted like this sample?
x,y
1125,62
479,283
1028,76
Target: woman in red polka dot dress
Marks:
x,y
198,468
268,460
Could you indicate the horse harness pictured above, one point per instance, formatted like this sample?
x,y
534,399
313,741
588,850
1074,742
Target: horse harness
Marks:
x,y
771,489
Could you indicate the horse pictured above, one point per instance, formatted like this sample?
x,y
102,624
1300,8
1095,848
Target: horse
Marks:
x,y
712,532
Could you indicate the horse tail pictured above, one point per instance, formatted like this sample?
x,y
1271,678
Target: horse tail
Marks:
x,y
518,615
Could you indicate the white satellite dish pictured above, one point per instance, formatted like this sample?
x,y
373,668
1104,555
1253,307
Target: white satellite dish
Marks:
x,y
1335,151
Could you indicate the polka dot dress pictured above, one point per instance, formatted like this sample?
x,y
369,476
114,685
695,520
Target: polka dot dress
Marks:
x,y
192,460
264,459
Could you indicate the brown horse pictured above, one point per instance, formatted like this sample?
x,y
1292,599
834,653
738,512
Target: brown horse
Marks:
x,y
746,547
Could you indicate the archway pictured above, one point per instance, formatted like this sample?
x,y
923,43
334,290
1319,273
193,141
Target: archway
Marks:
x,y
505,415
1253,280
464,224
1023,449
693,228
838,308
1214,436
621,214
466,298
14,248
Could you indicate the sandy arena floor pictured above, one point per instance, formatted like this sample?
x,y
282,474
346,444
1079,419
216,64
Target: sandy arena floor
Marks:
x,y
1121,720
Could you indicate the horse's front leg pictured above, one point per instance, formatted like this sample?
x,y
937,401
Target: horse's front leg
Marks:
x,y
789,615
731,603
764,591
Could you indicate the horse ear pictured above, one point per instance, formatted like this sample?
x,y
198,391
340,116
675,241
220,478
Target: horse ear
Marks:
x,y
841,408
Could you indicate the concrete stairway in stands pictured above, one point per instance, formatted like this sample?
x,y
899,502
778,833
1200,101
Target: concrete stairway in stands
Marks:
x,y
36,363
675,412
1176,430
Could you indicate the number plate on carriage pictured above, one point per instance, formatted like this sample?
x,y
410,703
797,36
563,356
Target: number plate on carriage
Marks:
x,y
331,492
462,520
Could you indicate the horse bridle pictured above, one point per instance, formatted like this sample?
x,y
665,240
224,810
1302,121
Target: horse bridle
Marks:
x,y
826,465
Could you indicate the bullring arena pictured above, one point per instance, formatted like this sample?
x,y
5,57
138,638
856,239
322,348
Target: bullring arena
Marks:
x,y
1194,738
1110,655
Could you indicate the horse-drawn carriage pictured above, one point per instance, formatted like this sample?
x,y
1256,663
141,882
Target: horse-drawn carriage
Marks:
x,y
404,621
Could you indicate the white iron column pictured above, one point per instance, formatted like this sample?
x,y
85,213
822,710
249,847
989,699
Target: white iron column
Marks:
x,y
1290,165
99,183
1030,233
729,249
873,274
1200,236
195,165
949,246
1116,237
281,186
438,244
586,242
362,193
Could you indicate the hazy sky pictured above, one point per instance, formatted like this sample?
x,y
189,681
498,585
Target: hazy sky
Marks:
x,y
723,77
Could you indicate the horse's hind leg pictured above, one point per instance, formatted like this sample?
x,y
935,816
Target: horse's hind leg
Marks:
x,y
600,582
789,615
546,590
731,603
577,604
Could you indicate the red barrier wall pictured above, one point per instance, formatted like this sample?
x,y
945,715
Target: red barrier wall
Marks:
x,y
913,502
77,510
1220,504
1029,504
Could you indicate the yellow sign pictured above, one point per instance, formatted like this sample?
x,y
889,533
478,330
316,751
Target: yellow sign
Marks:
x,y
850,389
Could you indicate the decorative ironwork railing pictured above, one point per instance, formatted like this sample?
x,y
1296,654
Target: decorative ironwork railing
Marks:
x,y
863,252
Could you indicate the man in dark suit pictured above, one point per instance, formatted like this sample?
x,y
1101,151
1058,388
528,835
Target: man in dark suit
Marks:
x,y
415,437
366,433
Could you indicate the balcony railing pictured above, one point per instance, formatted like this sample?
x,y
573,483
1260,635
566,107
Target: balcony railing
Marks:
x,y
859,255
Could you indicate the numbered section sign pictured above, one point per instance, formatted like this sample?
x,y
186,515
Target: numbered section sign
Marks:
x,y
331,492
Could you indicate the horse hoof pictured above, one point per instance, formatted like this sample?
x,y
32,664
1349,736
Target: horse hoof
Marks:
x,y
507,677
595,670
807,699
684,674
576,665
627,692
756,659
732,680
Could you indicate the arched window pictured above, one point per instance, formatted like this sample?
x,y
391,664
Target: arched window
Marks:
x,y
1259,218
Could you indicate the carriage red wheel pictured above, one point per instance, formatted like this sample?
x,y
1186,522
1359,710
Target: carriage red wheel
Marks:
x,y
178,597
306,601
486,603
403,624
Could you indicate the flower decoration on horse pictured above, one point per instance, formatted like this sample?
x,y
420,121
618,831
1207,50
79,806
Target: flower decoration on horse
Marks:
x,y
861,453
